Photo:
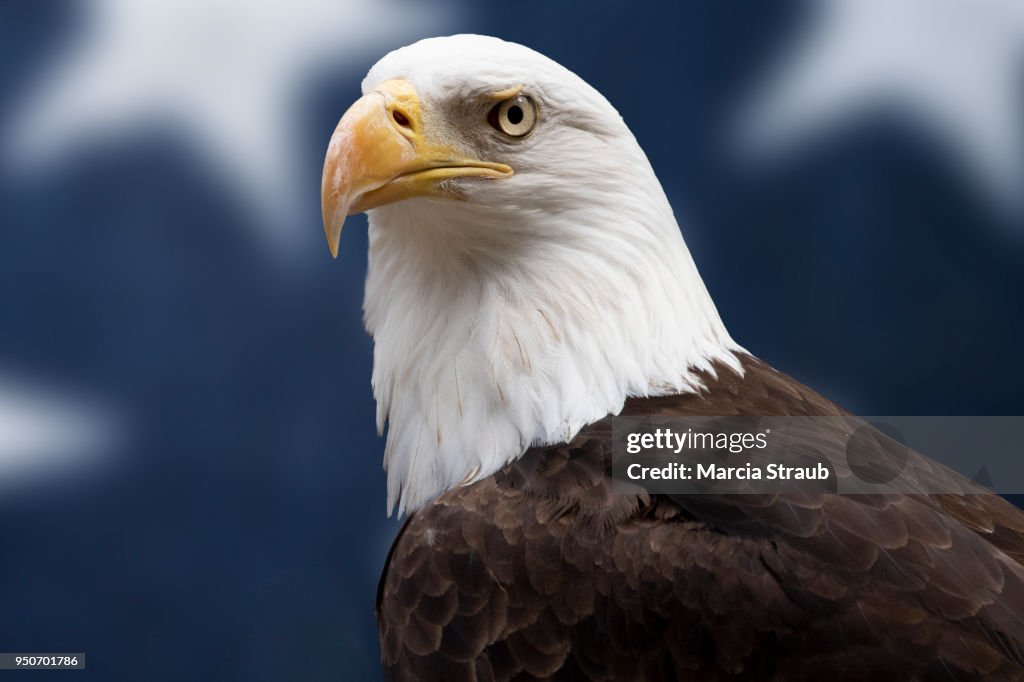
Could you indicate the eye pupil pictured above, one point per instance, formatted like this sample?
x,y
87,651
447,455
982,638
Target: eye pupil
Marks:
x,y
400,118
515,115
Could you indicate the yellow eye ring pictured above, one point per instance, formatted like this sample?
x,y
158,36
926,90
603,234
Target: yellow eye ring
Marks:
x,y
516,116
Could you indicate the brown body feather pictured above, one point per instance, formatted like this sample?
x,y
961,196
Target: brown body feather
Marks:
x,y
542,572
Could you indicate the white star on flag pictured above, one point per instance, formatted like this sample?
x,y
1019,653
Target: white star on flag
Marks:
x,y
955,67
225,71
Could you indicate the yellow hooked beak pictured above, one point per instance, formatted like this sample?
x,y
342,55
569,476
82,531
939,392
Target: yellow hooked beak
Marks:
x,y
381,153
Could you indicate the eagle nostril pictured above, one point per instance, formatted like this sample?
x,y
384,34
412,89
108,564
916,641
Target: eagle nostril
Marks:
x,y
401,119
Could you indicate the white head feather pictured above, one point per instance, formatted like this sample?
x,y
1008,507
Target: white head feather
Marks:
x,y
541,302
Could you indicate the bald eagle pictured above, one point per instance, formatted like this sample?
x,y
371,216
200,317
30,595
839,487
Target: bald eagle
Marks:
x,y
527,282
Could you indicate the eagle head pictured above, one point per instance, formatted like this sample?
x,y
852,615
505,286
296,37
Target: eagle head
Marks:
x,y
526,272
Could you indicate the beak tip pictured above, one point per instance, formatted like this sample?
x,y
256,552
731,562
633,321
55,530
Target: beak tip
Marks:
x,y
334,221
333,240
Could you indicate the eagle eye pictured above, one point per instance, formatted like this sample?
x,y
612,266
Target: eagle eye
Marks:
x,y
515,117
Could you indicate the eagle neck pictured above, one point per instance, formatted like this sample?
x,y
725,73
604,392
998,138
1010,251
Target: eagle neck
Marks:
x,y
489,339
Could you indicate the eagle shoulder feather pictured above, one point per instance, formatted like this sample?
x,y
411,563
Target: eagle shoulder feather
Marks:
x,y
540,571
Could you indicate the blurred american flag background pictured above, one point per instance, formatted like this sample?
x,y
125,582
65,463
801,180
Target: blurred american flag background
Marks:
x,y
190,477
